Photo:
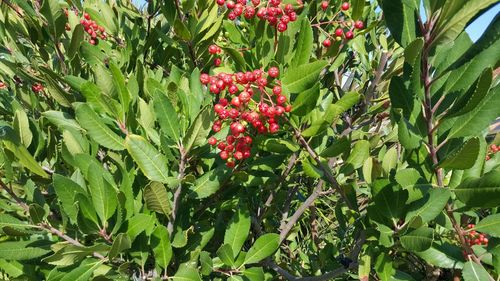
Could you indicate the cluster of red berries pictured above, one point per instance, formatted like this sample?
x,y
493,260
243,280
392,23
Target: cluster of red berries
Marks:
x,y
274,12
215,50
94,30
346,29
256,104
493,149
37,88
475,238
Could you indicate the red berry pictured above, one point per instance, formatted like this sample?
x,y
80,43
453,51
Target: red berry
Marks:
x,y
231,16
217,62
236,102
212,141
256,2
2,85
324,5
277,90
349,35
345,6
224,155
273,128
327,43
249,12
359,24
213,49
230,164
282,27
339,32
86,16
281,99
221,2
238,155
273,72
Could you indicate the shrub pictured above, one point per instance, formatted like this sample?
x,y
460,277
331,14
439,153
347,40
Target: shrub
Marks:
x,y
248,140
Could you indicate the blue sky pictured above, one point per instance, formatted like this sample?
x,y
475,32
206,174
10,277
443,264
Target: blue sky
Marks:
x,y
475,29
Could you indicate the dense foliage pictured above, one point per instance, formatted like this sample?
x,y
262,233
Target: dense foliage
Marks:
x,y
248,140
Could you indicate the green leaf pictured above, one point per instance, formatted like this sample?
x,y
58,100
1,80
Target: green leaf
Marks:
x,y
186,273
400,18
82,272
181,30
418,240
21,250
389,199
303,77
475,272
338,147
346,102
306,101
207,184
430,206
481,192
62,120
254,274
96,128
304,45
455,17
10,224
66,191
25,158
119,81
359,154
490,225
263,247
156,198
104,197
473,97
120,243
237,230
225,253
479,118
445,256
139,223
160,242
463,157
22,127
390,160
198,131
166,115
76,39
151,162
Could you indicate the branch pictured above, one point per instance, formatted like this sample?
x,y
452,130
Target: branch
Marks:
x,y
291,163
294,218
326,170
378,75
178,191
44,225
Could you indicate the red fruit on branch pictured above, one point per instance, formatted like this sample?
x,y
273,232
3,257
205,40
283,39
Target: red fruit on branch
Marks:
x,y
349,35
273,72
212,141
359,25
339,32
327,43
324,5
345,6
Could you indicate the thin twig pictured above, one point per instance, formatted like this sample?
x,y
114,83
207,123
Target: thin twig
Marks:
x,y
178,191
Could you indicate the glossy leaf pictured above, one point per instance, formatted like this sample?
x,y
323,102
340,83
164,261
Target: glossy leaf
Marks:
x,y
151,162
263,247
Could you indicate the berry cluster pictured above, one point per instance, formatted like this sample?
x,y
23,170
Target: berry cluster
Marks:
x,y
37,88
94,30
274,12
475,238
493,149
250,103
345,30
215,50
